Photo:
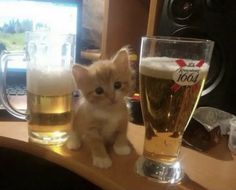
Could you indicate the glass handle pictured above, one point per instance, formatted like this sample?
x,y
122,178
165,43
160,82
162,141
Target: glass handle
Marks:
x,y
4,58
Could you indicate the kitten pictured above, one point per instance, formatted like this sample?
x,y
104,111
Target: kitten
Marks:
x,y
102,115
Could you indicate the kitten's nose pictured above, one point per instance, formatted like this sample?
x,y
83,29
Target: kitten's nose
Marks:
x,y
112,98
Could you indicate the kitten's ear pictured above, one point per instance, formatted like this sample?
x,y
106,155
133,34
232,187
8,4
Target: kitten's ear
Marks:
x,y
80,74
121,59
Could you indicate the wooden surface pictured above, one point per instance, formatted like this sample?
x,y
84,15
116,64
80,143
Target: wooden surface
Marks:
x,y
214,170
125,22
154,16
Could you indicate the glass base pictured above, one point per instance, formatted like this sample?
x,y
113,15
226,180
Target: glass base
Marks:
x,y
159,172
48,138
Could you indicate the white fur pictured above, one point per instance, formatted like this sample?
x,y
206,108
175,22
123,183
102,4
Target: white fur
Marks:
x,y
73,143
122,150
102,162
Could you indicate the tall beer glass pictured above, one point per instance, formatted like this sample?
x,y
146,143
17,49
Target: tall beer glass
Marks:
x,y
50,85
172,75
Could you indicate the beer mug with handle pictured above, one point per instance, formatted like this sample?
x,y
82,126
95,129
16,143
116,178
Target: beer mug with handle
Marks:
x,y
49,84
172,74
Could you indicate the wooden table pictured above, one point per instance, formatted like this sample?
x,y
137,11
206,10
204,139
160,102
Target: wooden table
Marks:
x,y
214,170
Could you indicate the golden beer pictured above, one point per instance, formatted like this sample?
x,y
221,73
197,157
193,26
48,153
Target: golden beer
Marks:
x,y
167,105
49,83
49,117
49,106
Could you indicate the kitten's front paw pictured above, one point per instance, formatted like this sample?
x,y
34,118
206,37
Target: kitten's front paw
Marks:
x,y
122,150
73,144
102,162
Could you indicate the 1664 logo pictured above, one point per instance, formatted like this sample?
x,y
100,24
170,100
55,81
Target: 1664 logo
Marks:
x,y
187,74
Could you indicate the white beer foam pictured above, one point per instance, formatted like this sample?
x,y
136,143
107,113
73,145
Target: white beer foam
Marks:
x,y
164,67
51,83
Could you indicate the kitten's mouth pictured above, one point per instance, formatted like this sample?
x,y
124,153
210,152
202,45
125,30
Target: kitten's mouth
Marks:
x,y
112,102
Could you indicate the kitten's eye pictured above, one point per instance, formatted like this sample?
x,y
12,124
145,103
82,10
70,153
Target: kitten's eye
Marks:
x,y
99,90
117,85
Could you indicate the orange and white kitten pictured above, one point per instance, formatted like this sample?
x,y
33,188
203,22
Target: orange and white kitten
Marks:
x,y
102,115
